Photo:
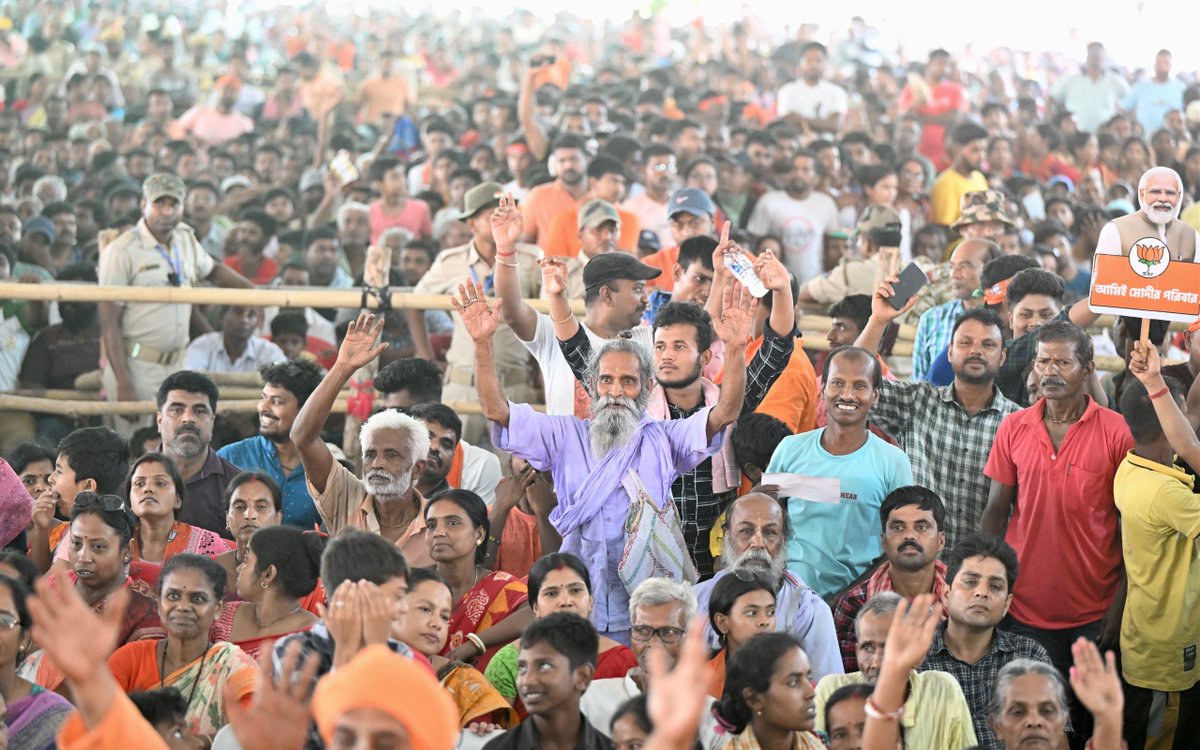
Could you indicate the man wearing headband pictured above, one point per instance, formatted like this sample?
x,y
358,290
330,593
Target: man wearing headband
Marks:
x,y
518,158
606,183
1160,194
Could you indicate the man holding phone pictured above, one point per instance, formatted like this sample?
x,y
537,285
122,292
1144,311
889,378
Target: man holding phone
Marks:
x,y
877,228
946,431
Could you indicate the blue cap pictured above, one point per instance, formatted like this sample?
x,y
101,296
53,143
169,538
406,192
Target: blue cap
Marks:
x,y
1061,179
648,240
692,200
40,224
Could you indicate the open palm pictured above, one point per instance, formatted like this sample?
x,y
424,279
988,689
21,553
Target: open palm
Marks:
x,y
507,222
77,639
479,318
359,347
737,316
1095,680
912,631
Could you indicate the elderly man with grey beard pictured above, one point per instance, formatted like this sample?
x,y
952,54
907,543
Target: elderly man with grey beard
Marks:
x,y
1160,194
756,535
604,466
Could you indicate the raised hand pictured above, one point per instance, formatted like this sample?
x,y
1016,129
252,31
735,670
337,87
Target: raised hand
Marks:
x,y
542,497
1144,363
677,697
554,275
44,506
377,610
343,618
479,318
1095,680
359,347
723,246
771,272
278,715
77,639
736,320
912,633
510,490
881,307
507,223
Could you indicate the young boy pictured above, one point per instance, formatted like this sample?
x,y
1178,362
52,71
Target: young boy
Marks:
x,y
91,458
554,668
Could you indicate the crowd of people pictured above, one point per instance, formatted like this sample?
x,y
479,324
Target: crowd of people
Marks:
x,y
603,491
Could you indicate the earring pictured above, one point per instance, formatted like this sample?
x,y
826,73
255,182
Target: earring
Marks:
x,y
265,585
478,542
758,712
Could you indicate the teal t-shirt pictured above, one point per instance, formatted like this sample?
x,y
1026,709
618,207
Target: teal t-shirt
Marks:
x,y
834,543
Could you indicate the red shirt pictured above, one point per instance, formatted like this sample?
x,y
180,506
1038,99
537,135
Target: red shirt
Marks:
x,y
945,97
266,270
1064,520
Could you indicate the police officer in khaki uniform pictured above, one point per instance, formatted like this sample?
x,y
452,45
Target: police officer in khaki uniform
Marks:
x,y
144,342
476,261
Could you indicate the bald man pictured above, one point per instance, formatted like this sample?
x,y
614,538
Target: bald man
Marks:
x,y
1160,193
756,540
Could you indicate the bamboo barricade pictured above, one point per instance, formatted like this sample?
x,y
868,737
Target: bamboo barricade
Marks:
x,y
400,298
51,402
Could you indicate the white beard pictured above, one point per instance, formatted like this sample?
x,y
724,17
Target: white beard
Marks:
x,y
394,487
755,560
1159,216
612,427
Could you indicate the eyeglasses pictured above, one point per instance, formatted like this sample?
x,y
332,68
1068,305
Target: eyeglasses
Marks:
x,y
666,635
9,622
110,503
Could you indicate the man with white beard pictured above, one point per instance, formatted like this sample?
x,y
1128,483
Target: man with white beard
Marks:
x,y
756,541
385,500
602,465
1160,193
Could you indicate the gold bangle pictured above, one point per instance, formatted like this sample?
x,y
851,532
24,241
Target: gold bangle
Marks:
x,y
570,316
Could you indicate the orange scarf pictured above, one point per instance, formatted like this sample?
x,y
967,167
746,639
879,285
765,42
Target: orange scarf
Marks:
x,y
454,478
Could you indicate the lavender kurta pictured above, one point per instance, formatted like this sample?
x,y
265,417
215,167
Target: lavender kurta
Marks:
x,y
592,504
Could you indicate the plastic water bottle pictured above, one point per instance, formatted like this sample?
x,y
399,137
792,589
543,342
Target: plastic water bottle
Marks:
x,y
743,270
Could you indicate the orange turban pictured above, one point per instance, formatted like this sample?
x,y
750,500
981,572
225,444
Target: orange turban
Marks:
x,y
229,79
379,679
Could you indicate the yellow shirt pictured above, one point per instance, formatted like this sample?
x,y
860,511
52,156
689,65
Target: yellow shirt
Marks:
x,y
936,714
1191,216
948,189
1160,522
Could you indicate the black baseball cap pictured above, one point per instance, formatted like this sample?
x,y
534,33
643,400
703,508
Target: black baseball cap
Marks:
x,y
615,266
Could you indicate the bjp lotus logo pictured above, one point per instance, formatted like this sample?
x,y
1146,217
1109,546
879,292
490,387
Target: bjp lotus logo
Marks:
x,y
1149,257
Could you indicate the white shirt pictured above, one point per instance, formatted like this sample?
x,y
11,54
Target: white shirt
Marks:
x,y
813,102
207,354
1091,101
14,341
800,225
557,378
604,697
480,472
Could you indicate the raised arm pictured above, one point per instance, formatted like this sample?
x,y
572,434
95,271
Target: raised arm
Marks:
x,y
1147,367
535,135
721,275
357,349
554,283
481,320
733,328
882,315
507,226
777,279
908,641
1097,683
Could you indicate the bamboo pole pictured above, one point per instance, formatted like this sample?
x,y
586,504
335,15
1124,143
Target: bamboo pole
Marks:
x,y
288,296
52,403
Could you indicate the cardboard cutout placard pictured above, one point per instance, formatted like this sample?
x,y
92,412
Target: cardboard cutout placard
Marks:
x,y
1146,283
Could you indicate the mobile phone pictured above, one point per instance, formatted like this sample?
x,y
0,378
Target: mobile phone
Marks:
x,y
912,278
